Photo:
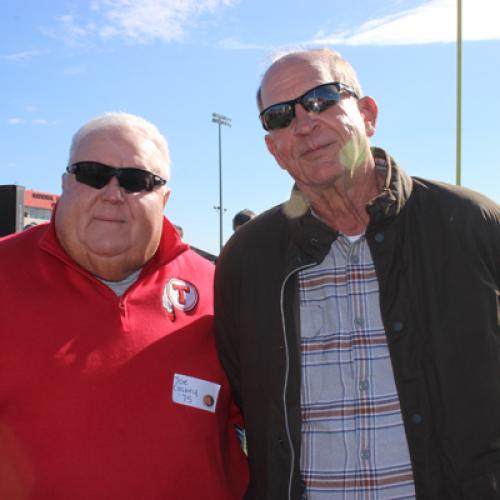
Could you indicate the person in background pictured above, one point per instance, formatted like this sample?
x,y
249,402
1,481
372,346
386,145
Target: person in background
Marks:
x,y
179,230
110,386
242,217
359,321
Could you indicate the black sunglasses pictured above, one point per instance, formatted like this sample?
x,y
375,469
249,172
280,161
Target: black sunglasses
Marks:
x,y
317,100
97,175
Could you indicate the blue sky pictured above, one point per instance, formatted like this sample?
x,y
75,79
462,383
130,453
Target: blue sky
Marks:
x,y
177,61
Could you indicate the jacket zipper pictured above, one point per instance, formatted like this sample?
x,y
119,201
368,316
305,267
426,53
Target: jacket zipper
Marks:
x,y
287,371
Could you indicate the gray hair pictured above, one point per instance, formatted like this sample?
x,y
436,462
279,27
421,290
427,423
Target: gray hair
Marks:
x,y
120,119
339,68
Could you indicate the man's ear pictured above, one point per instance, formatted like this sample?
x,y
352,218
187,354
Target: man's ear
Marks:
x,y
369,110
65,181
166,196
271,147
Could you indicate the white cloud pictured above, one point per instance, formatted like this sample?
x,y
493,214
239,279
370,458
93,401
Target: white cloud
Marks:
x,y
35,121
146,20
30,108
434,21
139,21
70,31
24,56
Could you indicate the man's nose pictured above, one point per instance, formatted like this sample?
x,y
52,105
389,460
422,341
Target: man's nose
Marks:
x,y
305,121
112,191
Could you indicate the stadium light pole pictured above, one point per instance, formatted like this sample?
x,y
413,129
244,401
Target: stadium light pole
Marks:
x,y
220,120
459,95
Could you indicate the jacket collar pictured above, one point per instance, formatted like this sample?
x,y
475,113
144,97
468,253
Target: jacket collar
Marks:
x,y
314,238
395,192
171,245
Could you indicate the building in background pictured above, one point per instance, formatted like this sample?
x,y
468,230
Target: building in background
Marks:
x,y
38,206
20,207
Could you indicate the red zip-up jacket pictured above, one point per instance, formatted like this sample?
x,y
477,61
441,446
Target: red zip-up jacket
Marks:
x,y
112,398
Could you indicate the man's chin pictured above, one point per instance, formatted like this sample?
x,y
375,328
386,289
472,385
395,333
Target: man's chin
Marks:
x,y
111,264
107,249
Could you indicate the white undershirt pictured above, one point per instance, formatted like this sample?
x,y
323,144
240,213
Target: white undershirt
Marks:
x,y
120,287
354,237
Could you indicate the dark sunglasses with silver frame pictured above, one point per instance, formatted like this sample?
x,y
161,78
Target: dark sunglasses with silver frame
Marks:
x,y
97,175
316,100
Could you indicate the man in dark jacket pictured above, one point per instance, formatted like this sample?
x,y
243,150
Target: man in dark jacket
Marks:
x,y
359,321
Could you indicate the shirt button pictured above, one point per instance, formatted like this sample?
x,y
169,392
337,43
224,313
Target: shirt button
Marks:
x,y
365,454
379,237
354,259
397,326
359,322
417,419
363,385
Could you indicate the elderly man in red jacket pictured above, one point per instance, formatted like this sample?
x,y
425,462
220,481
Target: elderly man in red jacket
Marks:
x,y
110,386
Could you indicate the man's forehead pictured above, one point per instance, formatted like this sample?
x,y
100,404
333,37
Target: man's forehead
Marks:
x,y
295,71
120,140
120,146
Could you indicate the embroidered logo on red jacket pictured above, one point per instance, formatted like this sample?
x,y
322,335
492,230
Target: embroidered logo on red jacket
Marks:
x,y
179,294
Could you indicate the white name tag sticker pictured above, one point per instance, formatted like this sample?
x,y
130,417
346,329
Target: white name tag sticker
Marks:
x,y
195,392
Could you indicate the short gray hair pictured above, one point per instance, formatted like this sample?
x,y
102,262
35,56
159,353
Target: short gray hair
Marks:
x,y
120,119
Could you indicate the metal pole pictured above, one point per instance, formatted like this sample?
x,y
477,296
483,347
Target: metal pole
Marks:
x,y
459,94
220,120
221,239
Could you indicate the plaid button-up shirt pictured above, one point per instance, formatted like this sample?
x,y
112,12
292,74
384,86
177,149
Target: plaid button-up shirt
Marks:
x,y
353,440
